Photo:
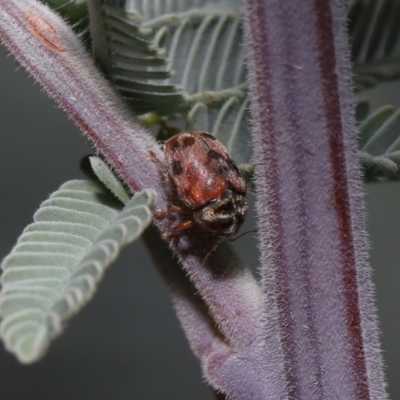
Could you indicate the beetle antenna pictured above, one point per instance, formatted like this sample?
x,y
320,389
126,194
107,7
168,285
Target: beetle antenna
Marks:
x,y
255,230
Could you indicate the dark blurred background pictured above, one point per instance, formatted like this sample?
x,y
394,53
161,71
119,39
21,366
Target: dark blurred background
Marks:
x,y
127,342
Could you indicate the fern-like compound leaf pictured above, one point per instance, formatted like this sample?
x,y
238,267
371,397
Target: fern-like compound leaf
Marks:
x,y
136,65
58,261
158,64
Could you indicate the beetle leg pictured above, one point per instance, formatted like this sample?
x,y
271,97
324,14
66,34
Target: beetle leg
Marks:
x,y
185,224
255,230
172,208
180,209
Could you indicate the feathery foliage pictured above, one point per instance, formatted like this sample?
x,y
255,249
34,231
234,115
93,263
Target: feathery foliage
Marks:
x,y
58,261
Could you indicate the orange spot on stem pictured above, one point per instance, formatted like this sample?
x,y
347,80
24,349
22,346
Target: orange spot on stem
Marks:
x,y
45,32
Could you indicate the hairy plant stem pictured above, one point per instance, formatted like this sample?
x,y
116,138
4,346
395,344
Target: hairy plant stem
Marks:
x,y
315,274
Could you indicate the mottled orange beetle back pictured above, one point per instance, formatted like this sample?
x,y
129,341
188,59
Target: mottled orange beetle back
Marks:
x,y
207,183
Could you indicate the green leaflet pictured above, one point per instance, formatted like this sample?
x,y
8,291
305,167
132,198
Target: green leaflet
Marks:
x,y
375,34
55,267
379,143
109,179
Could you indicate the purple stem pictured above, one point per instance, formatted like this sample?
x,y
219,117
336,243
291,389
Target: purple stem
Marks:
x,y
47,47
315,273
188,305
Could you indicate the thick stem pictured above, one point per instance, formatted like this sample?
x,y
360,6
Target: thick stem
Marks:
x,y
315,273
